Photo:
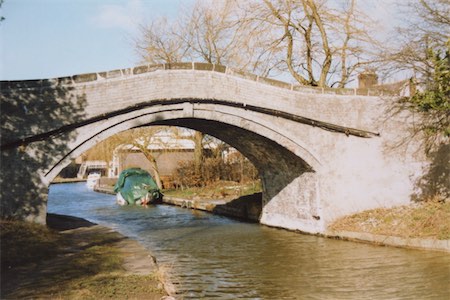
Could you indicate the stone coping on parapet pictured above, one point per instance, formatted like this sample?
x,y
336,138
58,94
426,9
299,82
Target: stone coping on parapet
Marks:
x,y
393,241
145,69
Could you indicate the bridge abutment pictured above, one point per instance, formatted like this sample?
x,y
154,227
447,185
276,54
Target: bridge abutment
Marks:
x,y
296,207
24,193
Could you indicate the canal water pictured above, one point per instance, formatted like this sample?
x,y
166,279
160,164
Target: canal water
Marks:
x,y
214,257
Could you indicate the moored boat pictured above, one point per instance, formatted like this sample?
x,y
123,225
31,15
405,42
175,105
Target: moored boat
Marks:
x,y
92,180
136,186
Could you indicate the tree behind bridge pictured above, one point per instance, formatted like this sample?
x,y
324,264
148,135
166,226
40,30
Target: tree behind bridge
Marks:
x,y
321,43
138,138
423,52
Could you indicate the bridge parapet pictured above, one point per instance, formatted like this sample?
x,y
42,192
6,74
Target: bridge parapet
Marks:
x,y
143,69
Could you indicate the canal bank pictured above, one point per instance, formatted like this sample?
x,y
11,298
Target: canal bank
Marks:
x,y
137,260
77,259
246,208
392,241
249,208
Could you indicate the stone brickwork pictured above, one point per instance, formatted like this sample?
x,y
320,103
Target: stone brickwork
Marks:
x,y
321,153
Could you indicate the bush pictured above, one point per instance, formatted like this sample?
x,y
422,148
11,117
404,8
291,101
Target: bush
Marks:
x,y
215,169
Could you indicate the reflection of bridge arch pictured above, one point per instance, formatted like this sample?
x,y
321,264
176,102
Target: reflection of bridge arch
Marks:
x,y
318,151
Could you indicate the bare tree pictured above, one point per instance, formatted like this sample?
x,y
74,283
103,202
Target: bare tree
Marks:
x,y
296,20
157,43
426,26
213,32
424,52
103,150
210,31
317,42
144,139
323,43
433,18
198,138
352,41
204,32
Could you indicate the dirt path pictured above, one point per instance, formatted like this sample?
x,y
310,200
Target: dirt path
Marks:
x,y
137,259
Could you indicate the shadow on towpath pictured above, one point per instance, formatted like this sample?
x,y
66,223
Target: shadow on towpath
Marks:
x,y
87,261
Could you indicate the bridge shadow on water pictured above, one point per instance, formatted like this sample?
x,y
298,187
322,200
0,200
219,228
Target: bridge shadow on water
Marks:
x,y
33,108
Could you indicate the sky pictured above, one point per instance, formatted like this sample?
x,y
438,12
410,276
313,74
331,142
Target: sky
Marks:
x,y
56,38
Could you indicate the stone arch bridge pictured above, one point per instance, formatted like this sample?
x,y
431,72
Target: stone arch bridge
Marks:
x,y
321,153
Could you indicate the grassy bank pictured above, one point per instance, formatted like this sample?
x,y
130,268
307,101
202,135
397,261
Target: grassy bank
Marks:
x,y
428,220
67,180
217,190
38,262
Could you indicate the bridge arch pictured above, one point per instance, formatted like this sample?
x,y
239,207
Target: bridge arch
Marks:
x,y
279,159
212,121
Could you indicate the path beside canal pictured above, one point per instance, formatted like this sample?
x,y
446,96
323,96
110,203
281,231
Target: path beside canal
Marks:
x,y
88,262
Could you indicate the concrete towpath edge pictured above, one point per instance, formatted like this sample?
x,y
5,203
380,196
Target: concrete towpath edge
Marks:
x,y
393,241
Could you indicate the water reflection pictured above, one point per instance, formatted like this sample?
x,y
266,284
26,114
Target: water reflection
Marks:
x,y
217,257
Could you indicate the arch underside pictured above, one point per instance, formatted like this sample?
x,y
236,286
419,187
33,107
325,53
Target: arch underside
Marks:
x,y
277,165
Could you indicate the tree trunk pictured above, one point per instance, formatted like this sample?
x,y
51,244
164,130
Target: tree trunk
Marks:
x,y
198,151
326,49
153,163
348,33
155,169
307,36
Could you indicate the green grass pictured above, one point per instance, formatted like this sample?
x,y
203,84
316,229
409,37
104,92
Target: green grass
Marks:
x,y
23,243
